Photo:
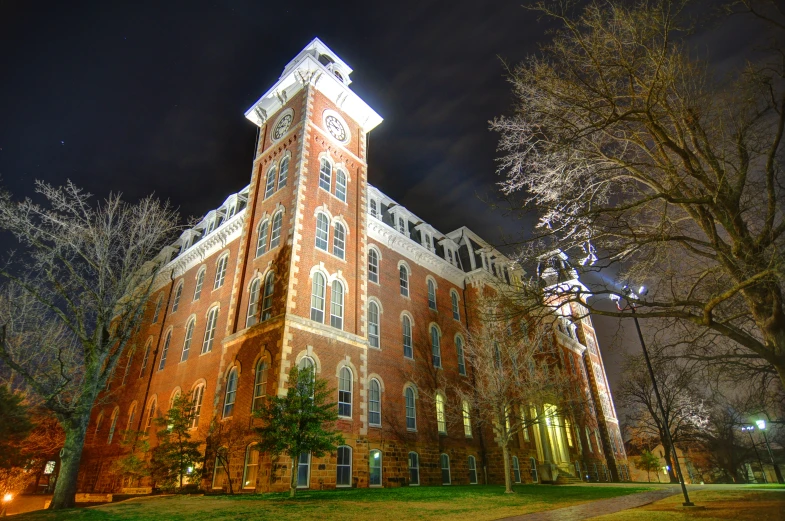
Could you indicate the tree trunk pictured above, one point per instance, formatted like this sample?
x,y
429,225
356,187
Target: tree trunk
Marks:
x,y
507,478
293,481
65,488
669,463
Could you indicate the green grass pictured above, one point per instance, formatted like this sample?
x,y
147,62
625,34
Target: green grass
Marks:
x,y
470,503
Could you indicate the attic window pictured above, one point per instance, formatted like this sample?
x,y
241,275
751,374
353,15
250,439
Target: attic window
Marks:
x,y
325,60
338,75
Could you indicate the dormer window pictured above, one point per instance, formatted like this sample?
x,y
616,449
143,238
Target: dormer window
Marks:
x,y
401,225
428,242
449,256
374,211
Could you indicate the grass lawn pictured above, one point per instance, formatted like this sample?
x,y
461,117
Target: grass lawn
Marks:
x,y
469,503
738,505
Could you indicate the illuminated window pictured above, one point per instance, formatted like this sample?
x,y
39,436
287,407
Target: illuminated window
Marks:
x,y
251,470
441,419
375,468
467,420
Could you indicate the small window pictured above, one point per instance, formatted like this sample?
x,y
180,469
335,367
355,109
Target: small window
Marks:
x,y
165,351
189,333
375,403
339,241
375,468
373,266
343,469
411,410
445,461
209,332
267,297
220,272
401,226
275,235
336,305
253,302
403,274
260,384
467,420
317,298
408,352
177,295
436,348
472,464
455,312
251,469
516,470
196,404
199,283
325,175
322,231
374,211
373,324
283,173
231,393
112,425
261,241
304,470
461,357
441,419
345,393
146,357
269,186
428,242
340,185
414,468
431,295
158,305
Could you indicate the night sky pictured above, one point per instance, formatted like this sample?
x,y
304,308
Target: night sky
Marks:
x,y
149,97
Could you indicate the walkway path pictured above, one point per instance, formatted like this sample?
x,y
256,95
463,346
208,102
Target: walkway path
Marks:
x,y
597,508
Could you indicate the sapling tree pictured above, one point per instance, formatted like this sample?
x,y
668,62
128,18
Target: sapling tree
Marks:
x,y
177,458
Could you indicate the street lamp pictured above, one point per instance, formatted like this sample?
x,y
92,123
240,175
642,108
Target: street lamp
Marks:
x,y
762,426
748,429
642,291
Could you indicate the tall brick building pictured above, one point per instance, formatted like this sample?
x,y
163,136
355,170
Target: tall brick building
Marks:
x,y
311,265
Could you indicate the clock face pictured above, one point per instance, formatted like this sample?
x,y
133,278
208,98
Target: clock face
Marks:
x,y
335,127
283,124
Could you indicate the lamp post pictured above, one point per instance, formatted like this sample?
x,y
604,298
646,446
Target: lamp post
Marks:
x,y
762,426
748,429
627,293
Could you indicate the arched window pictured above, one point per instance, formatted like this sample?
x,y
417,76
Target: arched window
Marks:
x,y
220,476
253,302
112,425
260,383
467,420
231,392
375,403
275,235
441,418
177,295
373,266
261,241
98,422
343,469
131,417
251,469
516,469
431,295
128,363
175,395
267,298
197,396
374,211
588,439
165,351
340,185
533,470
151,415
283,172
472,470
322,231
199,283
461,358
411,409
317,298
339,241
336,305
375,468
436,347
189,333
373,324
325,174
406,326
403,275
345,393
209,332
414,468
220,272
445,461
158,305
456,314
146,357
269,185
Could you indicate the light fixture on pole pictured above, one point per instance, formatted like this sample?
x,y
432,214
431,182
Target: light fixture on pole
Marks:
x,y
628,294
762,426
748,429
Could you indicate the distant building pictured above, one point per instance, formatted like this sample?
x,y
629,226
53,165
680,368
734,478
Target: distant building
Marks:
x,y
311,265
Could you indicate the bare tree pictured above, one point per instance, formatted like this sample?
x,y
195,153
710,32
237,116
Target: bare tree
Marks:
x,y
225,443
78,288
641,155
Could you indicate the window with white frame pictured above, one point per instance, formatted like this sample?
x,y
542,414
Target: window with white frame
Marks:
x,y
112,425
231,392
373,324
325,174
401,225
260,384
472,465
516,469
467,420
340,185
177,295
406,326
414,468
459,353
165,351
456,314
436,346
199,283
269,185
253,301
411,409
403,275
261,241
303,470
209,331
197,396
220,271
158,305
345,393
317,297
336,305
283,172
275,235
339,240
431,295
374,210
146,357
322,231
267,296
375,468
343,469
189,333
251,468
441,418
128,363
373,266
445,463
375,403
131,417
533,470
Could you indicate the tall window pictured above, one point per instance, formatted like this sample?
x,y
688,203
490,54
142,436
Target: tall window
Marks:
x,y
461,358
199,283
189,333
128,364
441,419
283,173
325,175
533,470
375,468
151,415
339,241
317,298
436,347
343,470
455,313
145,357
303,470
251,470
340,185
196,404
336,305
209,332
131,416
373,266
445,461
269,185
98,422
260,384
267,297
165,351
275,235
411,409
588,439
408,352
345,393
231,392
219,471
472,470
516,469
467,420
373,324
253,302
568,429
261,241
431,295
220,272
403,275
158,305
177,294
375,403
112,425
414,468
322,231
